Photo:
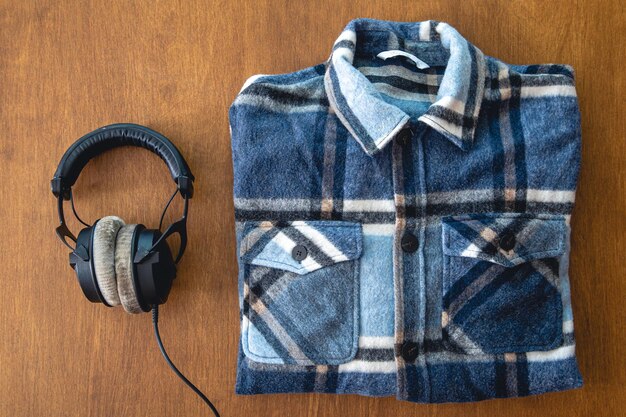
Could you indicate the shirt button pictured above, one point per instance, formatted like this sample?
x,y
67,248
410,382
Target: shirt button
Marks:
x,y
507,241
404,136
409,242
409,351
299,252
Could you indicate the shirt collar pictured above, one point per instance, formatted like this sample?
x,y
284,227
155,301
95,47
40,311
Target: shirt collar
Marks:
x,y
374,122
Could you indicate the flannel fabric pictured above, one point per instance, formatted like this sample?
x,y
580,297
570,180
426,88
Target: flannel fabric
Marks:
x,y
404,229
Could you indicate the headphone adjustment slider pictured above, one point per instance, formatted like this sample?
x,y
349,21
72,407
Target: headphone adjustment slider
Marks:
x,y
185,185
59,189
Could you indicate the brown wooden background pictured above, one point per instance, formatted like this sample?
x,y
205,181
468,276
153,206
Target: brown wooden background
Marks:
x,y
68,67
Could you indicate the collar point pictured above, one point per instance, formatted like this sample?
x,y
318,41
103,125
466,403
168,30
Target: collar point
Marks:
x,y
462,140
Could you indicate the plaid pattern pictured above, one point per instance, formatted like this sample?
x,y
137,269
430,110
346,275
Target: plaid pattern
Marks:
x,y
473,160
271,244
373,121
278,327
477,236
477,294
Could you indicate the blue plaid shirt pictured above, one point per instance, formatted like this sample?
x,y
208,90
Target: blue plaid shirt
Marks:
x,y
403,221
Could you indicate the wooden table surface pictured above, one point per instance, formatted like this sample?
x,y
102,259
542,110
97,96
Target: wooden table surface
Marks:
x,y
68,67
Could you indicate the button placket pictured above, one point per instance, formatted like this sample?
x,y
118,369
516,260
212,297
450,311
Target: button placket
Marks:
x,y
409,184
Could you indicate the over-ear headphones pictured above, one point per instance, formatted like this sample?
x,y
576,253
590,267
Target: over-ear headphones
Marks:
x,y
118,263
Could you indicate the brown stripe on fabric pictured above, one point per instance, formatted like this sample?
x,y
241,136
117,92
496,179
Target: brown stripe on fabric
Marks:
x,y
472,290
400,224
328,173
508,145
275,327
457,338
321,374
510,360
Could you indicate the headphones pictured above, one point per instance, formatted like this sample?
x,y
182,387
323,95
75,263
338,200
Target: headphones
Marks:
x,y
118,263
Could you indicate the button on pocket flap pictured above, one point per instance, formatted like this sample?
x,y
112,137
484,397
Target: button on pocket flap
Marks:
x,y
507,239
300,246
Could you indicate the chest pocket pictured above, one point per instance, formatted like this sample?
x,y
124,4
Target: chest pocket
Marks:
x,y
301,291
501,289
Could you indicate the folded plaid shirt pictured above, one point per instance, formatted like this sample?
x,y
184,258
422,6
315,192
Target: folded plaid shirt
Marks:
x,y
403,221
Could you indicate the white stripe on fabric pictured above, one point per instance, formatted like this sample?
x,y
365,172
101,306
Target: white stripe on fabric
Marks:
x,y
440,124
388,205
320,241
397,71
310,264
273,204
251,80
369,229
452,103
550,196
462,339
470,196
385,206
568,326
287,245
358,366
275,106
379,229
425,31
470,251
548,90
346,35
343,52
551,355
376,342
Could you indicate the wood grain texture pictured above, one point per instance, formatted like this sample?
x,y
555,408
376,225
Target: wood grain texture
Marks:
x,y
67,67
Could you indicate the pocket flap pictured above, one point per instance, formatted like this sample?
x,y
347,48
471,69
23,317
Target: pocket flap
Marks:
x,y
317,244
507,239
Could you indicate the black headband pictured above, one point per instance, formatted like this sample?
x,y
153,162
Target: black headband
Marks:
x,y
113,136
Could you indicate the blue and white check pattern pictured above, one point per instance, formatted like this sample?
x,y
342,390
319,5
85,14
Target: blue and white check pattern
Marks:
x,y
475,160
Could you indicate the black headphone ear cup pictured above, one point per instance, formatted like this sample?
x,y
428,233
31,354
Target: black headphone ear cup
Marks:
x,y
155,273
103,248
124,269
82,263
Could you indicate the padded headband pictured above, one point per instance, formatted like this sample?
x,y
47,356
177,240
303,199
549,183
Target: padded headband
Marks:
x,y
114,136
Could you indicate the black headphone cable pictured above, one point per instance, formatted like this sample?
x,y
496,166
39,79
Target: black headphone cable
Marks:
x,y
155,322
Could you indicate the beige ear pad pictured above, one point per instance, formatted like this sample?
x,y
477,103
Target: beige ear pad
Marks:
x,y
104,235
124,269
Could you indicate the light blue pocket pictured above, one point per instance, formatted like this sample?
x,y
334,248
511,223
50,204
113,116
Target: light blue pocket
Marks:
x,y
301,291
501,282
